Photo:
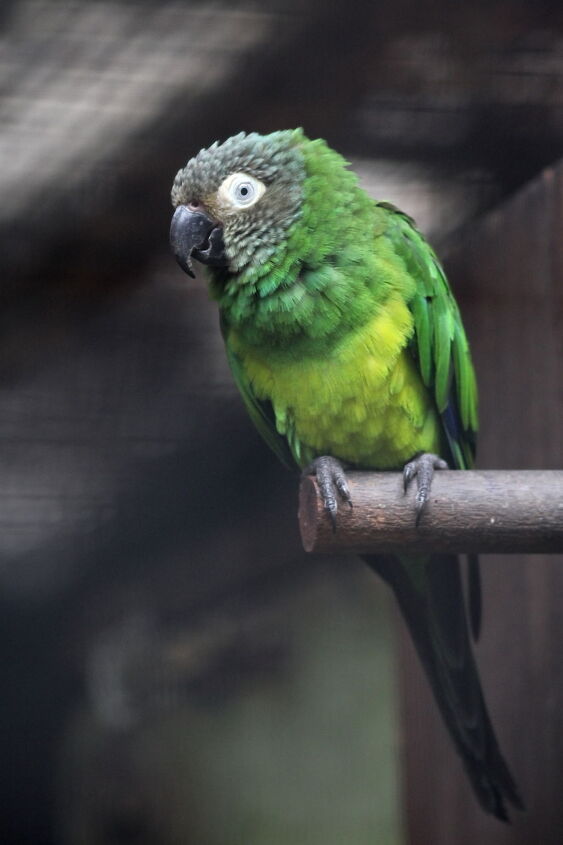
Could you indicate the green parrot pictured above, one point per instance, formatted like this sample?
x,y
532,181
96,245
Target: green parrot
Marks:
x,y
347,346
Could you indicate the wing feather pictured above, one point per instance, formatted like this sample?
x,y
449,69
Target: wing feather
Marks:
x,y
439,345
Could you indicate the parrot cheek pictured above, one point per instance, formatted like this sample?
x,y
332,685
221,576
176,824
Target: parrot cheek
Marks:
x,y
194,234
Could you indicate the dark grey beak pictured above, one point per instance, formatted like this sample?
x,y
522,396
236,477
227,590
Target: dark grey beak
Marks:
x,y
195,234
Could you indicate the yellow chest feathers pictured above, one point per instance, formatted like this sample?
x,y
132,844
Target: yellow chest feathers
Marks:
x,y
364,402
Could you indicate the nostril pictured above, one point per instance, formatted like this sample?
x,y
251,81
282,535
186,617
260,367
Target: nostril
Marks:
x,y
193,205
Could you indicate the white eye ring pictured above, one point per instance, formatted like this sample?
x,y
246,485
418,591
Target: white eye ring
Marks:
x,y
240,190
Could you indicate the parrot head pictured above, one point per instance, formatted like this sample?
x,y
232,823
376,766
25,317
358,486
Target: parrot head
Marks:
x,y
235,201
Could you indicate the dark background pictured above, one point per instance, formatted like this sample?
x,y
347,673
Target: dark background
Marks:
x,y
174,669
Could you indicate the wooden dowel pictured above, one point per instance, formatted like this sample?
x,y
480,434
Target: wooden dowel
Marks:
x,y
469,511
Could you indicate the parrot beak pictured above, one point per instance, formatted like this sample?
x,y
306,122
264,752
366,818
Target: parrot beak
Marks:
x,y
194,233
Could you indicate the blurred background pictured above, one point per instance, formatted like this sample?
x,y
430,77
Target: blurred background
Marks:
x,y
174,668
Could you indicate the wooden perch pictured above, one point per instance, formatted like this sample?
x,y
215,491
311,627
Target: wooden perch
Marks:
x,y
469,511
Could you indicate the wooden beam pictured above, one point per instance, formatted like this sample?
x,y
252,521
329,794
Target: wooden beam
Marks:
x,y
470,511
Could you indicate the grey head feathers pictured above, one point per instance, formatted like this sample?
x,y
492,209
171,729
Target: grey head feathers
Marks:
x,y
250,235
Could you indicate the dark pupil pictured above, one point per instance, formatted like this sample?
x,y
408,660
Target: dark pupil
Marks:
x,y
244,191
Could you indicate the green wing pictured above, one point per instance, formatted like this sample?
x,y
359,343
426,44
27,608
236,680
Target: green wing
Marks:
x,y
261,413
439,345
442,353
429,590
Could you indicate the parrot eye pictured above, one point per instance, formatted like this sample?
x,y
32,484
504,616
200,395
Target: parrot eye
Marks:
x,y
239,190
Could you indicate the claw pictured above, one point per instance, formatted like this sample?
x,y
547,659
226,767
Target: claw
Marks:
x,y
423,466
409,472
332,483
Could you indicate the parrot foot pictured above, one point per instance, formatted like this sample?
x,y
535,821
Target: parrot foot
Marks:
x,y
332,483
423,466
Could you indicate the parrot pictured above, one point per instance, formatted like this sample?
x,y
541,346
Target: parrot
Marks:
x,y
347,346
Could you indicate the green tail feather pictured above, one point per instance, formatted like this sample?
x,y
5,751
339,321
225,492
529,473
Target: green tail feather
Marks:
x,y
432,605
